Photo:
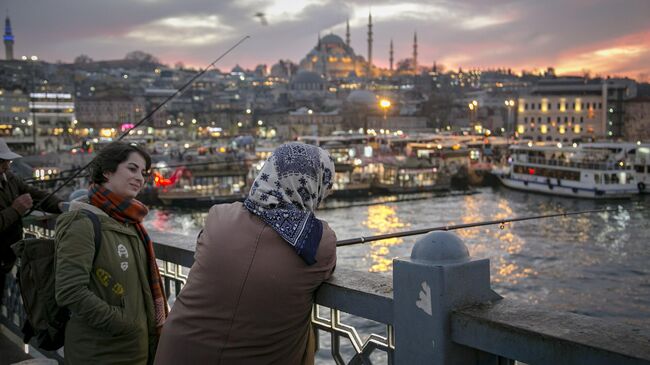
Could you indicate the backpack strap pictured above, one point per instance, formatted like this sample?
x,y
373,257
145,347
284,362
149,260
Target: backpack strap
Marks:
x,y
97,228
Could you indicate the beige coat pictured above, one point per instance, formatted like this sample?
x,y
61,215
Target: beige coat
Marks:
x,y
248,297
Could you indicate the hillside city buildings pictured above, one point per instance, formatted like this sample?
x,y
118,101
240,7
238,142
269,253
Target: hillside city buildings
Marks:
x,y
333,89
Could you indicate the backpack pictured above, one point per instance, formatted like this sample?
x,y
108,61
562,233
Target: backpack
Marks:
x,y
45,320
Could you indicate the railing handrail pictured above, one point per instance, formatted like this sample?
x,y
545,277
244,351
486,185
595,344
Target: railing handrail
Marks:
x,y
538,336
504,328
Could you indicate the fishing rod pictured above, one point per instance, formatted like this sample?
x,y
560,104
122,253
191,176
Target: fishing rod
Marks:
x,y
146,117
500,222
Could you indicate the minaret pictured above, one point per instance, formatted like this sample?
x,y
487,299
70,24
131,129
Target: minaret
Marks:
x,y
9,40
390,58
347,32
415,53
369,74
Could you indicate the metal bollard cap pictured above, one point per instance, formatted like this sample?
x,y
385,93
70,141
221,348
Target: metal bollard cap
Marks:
x,y
440,246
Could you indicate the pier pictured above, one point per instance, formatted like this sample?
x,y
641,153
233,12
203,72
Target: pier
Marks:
x,y
437,308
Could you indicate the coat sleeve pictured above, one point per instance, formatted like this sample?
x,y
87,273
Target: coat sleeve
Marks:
x,y
75,249
8,217
50,205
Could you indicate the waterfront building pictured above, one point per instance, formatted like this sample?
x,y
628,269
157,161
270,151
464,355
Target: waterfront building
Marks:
x,y
53,114
571,109
8,40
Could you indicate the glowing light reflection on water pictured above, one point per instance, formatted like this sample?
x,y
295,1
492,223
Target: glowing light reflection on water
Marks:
x,y
594,264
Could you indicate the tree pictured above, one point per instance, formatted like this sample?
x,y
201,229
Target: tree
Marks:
x,y
141,57
82,58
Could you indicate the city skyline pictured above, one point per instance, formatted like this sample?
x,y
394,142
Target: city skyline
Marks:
x,y
601,37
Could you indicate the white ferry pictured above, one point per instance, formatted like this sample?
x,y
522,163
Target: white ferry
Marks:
x,y
592,170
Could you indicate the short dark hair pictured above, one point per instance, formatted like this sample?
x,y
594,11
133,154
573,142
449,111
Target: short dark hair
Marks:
x,y
112,155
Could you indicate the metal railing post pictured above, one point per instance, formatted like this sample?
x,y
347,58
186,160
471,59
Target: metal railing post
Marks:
x,y
438,278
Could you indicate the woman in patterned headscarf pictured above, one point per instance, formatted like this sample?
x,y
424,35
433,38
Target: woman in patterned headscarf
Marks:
x,y
257,265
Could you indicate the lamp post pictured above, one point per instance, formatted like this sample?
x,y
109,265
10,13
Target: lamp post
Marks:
x,y
470,113
509,105
385,104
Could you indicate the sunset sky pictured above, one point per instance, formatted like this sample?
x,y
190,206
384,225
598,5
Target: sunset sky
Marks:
x,y
606,37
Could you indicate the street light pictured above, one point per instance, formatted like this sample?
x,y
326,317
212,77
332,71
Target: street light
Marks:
x,y
384,104
509,104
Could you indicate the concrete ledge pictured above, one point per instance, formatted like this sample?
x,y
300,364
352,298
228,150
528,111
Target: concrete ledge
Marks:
x,y
360,294
538,336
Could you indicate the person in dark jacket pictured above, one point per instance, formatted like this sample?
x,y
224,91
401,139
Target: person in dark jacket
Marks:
x,y
16,198
116,299
258,264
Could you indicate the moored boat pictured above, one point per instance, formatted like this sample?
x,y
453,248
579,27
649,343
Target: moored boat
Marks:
x,y
594,170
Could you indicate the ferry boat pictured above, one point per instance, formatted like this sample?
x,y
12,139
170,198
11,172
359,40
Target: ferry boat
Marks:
x,y
592,170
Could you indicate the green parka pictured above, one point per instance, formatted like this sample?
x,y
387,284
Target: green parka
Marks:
x,y
112,313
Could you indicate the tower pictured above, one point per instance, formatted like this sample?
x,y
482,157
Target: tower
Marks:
x,y
415,53
9,40
347,32
369,74
390,56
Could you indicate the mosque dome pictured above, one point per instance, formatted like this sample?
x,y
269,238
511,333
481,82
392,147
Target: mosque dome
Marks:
x,y
332,39
362,97
237,69
307,80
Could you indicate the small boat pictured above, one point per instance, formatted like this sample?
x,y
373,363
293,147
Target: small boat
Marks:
x,y
592,170
203,182
400,175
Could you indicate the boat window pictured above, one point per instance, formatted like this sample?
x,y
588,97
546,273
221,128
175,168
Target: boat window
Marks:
x,y
597,178
639,168
606,176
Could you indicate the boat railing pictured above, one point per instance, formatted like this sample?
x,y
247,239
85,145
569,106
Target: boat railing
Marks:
x,y
434,309
590,165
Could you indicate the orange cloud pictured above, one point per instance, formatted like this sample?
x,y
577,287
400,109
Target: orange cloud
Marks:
x,y
625,56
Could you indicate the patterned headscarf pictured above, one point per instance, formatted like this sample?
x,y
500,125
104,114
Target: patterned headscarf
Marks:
x,y
287,191
132,211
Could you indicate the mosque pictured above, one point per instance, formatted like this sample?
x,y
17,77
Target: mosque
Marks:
x,y
334,58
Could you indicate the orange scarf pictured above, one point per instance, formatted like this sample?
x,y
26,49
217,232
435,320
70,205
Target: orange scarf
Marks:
x,y
132,211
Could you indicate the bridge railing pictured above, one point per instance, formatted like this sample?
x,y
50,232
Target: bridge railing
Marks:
x,y
437,308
